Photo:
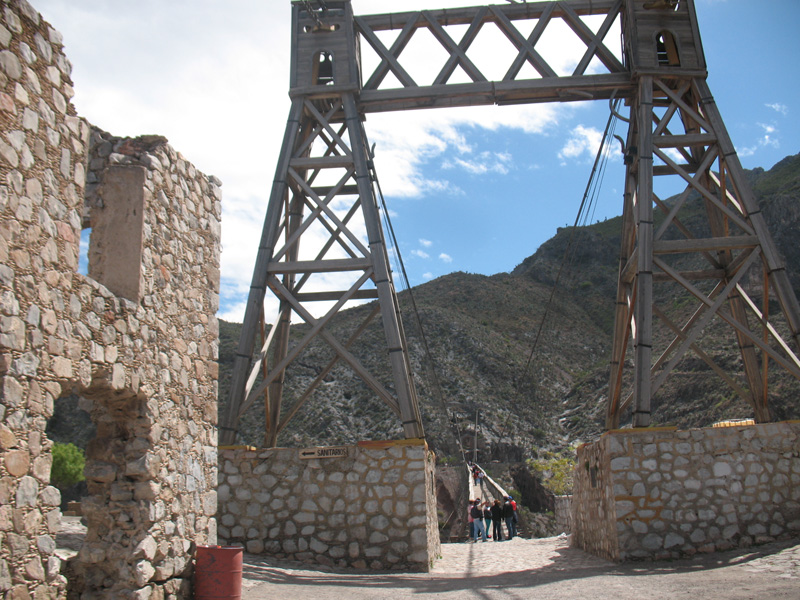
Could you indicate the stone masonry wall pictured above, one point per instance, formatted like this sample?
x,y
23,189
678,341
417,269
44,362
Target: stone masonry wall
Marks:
x,y
592,507
373,509
563,514
143,361
663,493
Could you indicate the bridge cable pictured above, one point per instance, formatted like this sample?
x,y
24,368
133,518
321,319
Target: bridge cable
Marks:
x,y
437,388
590,195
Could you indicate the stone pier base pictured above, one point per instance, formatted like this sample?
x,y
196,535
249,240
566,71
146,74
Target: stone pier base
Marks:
x,y
663,493
370,506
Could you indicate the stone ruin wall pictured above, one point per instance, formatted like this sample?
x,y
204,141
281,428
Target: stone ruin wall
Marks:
x,y
663,493
373,509
563,514
137,339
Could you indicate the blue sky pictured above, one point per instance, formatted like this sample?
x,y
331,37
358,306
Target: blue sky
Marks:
x,y
474,190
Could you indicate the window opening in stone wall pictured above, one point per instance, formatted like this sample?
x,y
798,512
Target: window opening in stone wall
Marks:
x,y
667,49
71,424
83,251
70,429
106,426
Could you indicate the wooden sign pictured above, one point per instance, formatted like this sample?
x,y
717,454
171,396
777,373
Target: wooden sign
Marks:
x,y
324,452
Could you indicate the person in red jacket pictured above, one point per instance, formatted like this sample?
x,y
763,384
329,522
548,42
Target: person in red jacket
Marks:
x,y
508,517
514,519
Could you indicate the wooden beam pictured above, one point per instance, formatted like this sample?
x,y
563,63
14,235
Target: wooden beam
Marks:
x,y
643,311
328,368
599,87
320,266
594,45
369,294
681,334
736,242
321,162
465,16
698,327
458,52
389,60
679,141
708,274
526,49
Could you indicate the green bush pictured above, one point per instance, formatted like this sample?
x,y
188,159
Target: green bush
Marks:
x,y
68,464
555,470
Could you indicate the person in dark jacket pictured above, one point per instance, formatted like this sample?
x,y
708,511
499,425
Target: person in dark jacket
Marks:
x,y
477,517
487,516
497,521
508,517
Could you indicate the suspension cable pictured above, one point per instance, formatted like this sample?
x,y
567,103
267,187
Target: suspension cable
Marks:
x,y
313,13
437,388
590,195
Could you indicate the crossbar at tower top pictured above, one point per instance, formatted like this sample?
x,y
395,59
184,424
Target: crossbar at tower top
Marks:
x,y
675,134
663,40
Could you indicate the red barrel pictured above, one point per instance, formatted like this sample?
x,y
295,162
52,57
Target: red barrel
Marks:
x,y
218,573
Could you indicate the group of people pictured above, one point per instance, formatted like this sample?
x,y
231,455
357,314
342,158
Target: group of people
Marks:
x,y
483,514
477,474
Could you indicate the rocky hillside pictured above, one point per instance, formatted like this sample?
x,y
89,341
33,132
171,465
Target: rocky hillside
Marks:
x,y
480,331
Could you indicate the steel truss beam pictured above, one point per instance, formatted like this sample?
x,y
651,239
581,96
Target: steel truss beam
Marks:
x,y
323,191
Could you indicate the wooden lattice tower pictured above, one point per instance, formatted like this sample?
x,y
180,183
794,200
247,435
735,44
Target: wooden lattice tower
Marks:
x,y
324,183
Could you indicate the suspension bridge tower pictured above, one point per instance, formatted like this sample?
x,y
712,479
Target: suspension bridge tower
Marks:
x,y
709,242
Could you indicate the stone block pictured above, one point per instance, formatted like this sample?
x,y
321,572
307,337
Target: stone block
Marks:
x,y
17,462
304,518
621,463
615,445
27,492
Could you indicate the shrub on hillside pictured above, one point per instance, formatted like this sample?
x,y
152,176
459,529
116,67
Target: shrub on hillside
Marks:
x,y
555,470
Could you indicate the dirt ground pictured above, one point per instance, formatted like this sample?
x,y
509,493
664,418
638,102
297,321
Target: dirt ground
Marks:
x,y
542,569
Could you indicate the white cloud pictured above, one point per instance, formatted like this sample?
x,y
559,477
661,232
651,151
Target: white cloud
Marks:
x,y
746,151
427,276
582,143
425,243
445,258
216,87
407,141
484,162
767,139
420,254
777,107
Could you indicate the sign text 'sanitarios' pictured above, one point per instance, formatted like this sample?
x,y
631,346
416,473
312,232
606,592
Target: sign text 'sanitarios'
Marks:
x,y
326,452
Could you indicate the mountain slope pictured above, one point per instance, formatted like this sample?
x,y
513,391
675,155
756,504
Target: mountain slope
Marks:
x,y
481,331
